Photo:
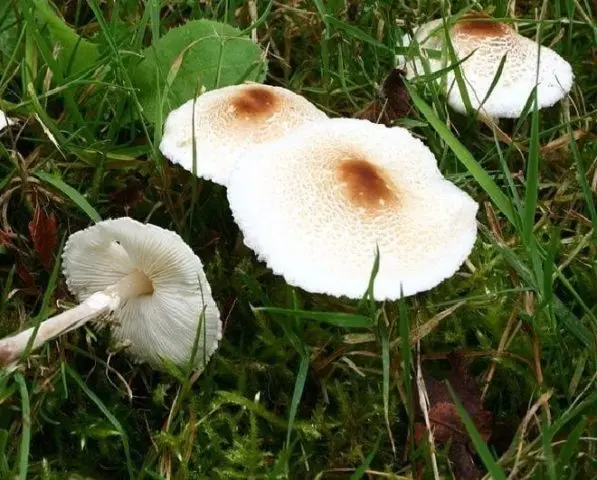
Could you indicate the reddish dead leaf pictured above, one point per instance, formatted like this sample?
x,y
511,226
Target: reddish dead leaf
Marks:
x,y
25,275
5,239
463,463
392,102
445,421
44,234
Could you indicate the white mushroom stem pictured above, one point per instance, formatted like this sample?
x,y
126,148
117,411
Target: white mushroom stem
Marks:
x,y
134,284
493,124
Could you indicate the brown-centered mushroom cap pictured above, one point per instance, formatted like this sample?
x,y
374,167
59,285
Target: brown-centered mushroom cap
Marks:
x,y
316,204
487,42
228,122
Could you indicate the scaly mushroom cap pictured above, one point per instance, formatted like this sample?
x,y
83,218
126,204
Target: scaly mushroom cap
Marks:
x,y
487,42
315,204
163,324
228,121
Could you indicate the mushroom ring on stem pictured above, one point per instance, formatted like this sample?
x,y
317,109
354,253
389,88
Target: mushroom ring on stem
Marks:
x,y
227,122
152,283
481,44
316,204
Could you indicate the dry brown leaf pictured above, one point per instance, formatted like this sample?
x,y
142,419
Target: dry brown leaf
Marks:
x,y
25,275
5,238
44,234
446,423
392,102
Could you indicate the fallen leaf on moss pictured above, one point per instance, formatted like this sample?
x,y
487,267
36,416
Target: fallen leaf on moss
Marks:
x,y
445,421
44,234
392,102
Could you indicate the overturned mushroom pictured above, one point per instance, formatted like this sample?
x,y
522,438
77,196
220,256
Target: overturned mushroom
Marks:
x,y
316,204
149,279
481,43
227,122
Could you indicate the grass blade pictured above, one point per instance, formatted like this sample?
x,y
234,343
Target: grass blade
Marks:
x,y
548,453
338,319
492,466
355,32
532,177
299,386
111,418
26,427
365,465
405,353
385,357
464,156
71,193
582,179
570,447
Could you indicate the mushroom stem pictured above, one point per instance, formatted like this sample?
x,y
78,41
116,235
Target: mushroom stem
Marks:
x,y
134,284
493,124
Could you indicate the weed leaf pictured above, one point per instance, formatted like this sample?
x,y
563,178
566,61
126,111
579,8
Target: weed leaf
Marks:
x,y
204,54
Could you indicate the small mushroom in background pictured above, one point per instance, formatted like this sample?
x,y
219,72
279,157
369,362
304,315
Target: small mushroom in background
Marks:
x,y
487,42
315,205
5,121
228,122
149,279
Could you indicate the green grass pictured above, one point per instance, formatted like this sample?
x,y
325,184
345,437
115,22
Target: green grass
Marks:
x,y
303,386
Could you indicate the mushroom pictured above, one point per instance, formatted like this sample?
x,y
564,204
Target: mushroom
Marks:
x,y
316,205
527,65
228,122
149,279
5,121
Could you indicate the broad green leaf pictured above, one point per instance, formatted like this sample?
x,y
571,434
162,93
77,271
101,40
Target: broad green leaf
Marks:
x,y
9,32
75,54
200,54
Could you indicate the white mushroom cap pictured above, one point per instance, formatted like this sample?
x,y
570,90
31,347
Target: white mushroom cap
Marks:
x,y
487,42
228,121
428,37
162,324
314,206
5,121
